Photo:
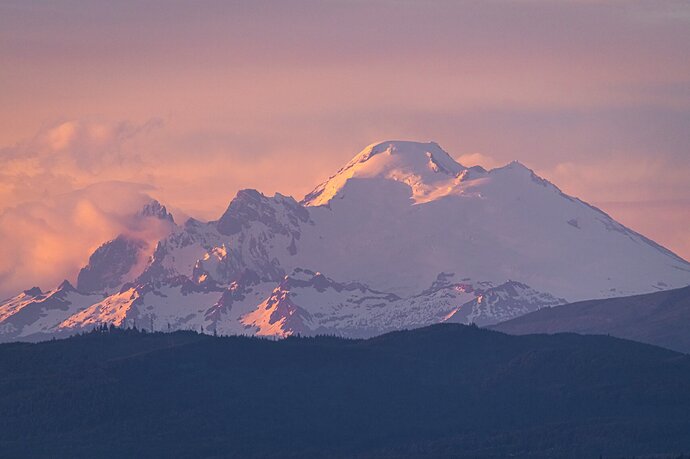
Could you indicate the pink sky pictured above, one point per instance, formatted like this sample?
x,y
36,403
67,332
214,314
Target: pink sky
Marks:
x,y
190,101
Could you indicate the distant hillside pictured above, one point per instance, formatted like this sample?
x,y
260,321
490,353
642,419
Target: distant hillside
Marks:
x,y
446,390
661,318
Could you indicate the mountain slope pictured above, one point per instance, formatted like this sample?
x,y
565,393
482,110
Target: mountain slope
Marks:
x,y
661,318
34,314
443,391
110,264
423,238
500,225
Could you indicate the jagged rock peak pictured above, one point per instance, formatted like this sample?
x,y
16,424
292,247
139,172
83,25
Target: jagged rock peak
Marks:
x,y
250,206
66,286
157,210
33,291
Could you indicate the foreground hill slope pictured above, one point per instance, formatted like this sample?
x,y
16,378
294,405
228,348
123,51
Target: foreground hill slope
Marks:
x,y
661,318
446,390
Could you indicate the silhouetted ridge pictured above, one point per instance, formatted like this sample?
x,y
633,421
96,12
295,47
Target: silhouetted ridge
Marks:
x,y
446,390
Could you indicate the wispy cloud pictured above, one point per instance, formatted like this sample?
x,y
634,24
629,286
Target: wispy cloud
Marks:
x,y
46,241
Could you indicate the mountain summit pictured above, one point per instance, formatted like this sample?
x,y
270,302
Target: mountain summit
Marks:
x,y
425,167
402,236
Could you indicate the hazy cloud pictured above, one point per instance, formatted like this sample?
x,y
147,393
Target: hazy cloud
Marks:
x,y
69,155
44,242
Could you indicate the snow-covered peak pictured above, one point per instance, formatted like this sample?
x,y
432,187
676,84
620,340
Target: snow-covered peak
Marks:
x,y
424,167
417,157
424,172
515,168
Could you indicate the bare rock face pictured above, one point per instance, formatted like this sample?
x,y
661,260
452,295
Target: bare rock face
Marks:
x,y
156,210
112,263
109,264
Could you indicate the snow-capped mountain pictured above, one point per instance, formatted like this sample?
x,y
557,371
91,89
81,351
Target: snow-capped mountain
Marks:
x,y
34,313
402,236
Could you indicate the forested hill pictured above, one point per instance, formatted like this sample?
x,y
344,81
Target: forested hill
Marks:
x,y
446,390
659,318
